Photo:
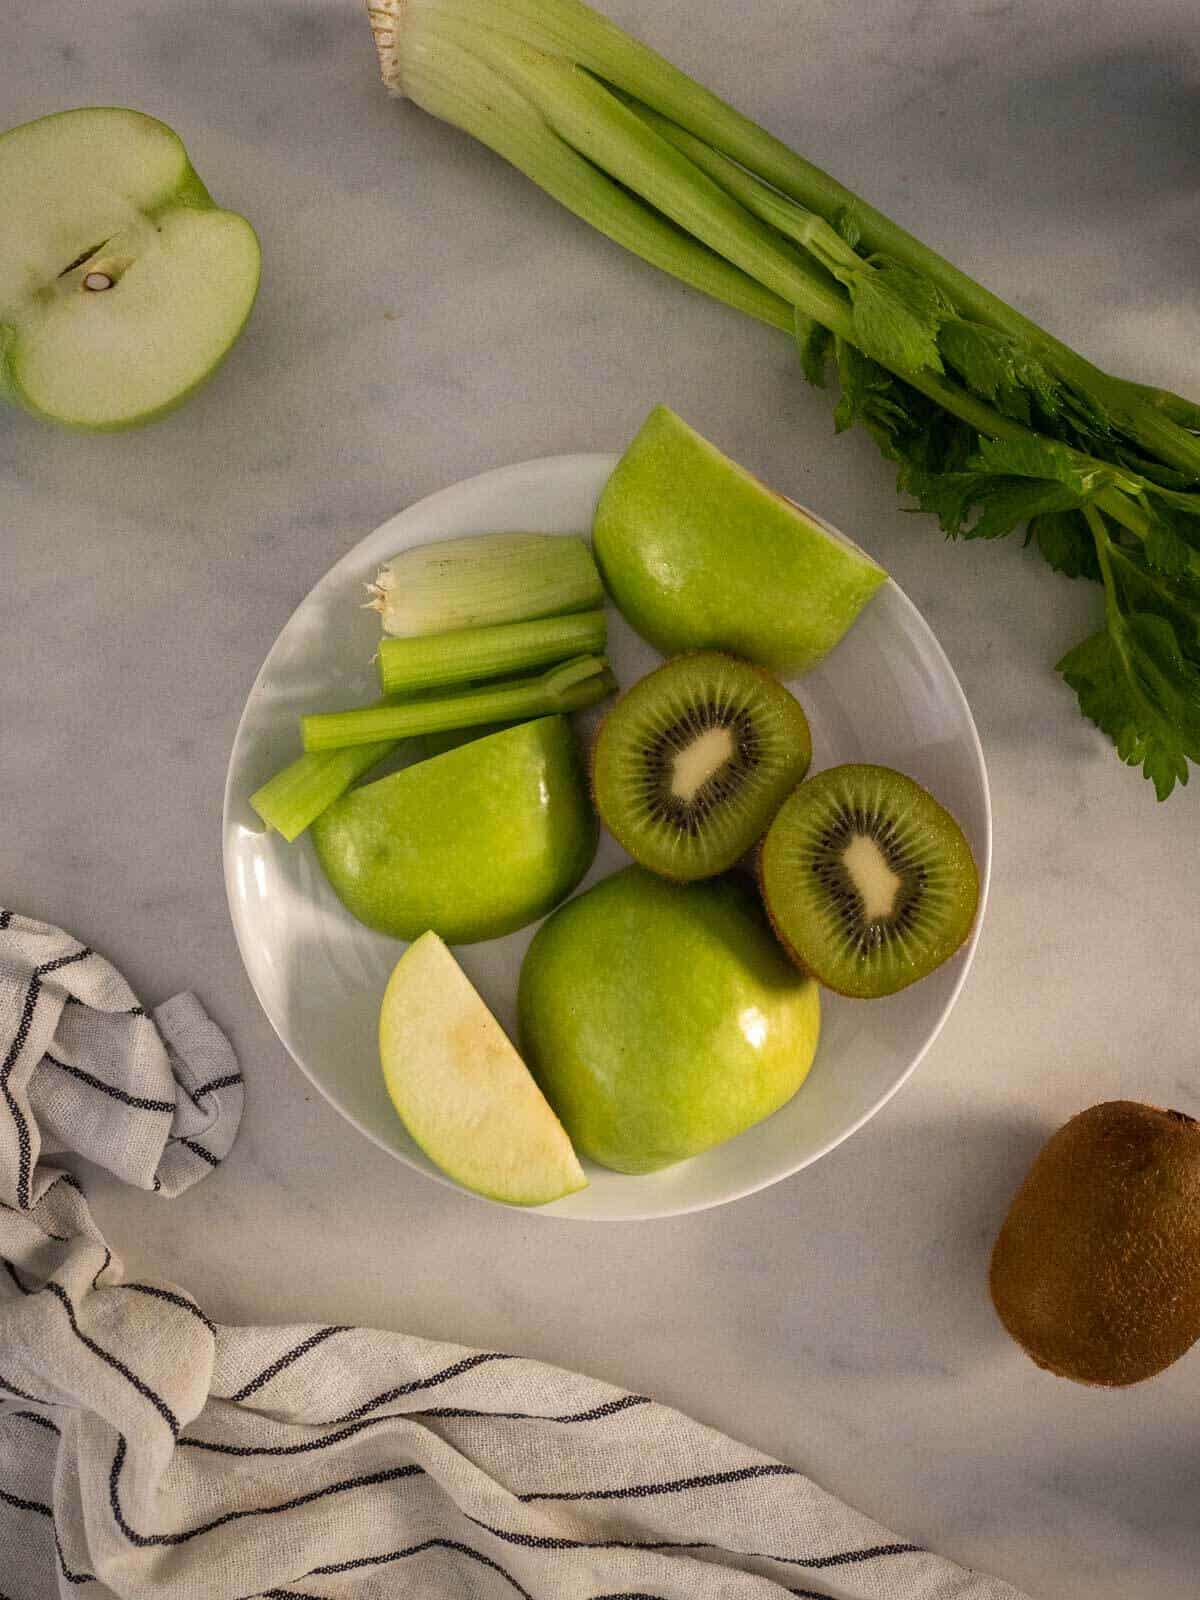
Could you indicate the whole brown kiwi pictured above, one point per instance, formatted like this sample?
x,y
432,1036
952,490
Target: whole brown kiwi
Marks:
x,y
1096,1270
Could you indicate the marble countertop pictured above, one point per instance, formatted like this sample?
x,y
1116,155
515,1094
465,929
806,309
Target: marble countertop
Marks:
x,y
426,314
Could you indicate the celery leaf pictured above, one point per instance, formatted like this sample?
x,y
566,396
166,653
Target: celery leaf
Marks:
x,y
1133,681
814,342
1066,544
897,314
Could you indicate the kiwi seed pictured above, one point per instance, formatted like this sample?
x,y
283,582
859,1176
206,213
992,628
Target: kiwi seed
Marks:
x,y
868,880
691,764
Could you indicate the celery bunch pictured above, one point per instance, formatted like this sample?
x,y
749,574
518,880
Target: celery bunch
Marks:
x,y
993,424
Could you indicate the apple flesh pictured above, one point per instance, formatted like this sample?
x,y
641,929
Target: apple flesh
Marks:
x,y
462,1091
698,554
474,843
661,1019
122,285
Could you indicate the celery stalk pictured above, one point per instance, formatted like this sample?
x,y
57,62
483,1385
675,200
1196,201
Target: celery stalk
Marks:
x,y
437,661
571,686
532,107
483,580
297,795
423,48
464,90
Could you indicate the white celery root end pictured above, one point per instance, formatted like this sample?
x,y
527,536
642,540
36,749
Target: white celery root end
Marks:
x,y
387,19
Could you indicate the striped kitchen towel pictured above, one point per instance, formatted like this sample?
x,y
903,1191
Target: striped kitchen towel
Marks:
x,y
149,1453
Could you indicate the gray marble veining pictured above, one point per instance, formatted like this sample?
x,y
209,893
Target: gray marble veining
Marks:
x,y
426,314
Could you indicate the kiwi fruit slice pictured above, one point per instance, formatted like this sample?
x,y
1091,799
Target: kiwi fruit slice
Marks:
x,y
690,765
1096,1270
868,880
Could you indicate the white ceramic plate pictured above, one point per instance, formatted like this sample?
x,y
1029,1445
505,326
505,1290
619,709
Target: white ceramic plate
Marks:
x,y
887,694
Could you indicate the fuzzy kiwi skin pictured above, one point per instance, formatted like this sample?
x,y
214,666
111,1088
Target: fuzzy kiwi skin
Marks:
x,y
659,870
1096,1270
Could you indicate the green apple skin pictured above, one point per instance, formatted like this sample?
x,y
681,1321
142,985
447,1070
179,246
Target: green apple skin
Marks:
x,y
473,844
185,273
699,554
661,1019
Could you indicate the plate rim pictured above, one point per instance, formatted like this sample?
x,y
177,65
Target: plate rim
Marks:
x,y
584,460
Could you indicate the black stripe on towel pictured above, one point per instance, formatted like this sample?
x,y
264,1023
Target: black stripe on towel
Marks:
x,y
144,1389
844,1558
538,1541
172,1299
352,1428
101,1270
213,1084
71,1577
307,1448
290,1594
276,1367
26,1505
47,967
21,1394
48,1512
24,1147
42,1422
418,1549
10,1061
12,1272
5,919
59,1238
643,1491
608,1409
198,1150
455,1370
145,1540
136,1101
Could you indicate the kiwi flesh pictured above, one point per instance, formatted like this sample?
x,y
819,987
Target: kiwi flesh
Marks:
x,y
868,881
690,765
1096,1269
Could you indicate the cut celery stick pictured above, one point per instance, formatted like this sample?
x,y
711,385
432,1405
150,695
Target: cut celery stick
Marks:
x,y
571,686
297,795
438,660
484,579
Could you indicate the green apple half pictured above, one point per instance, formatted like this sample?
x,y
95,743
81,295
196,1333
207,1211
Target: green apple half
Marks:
x,y
461,1089
121,284
699,554
473,844
661,1019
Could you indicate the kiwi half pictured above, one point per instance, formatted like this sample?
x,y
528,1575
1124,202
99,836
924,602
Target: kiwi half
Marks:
x,y
690,765
868,880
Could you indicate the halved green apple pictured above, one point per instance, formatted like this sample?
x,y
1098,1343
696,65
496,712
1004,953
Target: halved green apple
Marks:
x,y
461,1089
698,554
122,285
475,843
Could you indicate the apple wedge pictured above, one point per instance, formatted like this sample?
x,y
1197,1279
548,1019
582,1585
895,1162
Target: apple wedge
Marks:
x,y
122,285
462,1091
698,554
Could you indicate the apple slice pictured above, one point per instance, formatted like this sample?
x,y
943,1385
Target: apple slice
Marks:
x,y
461,1089
122,286
699,555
